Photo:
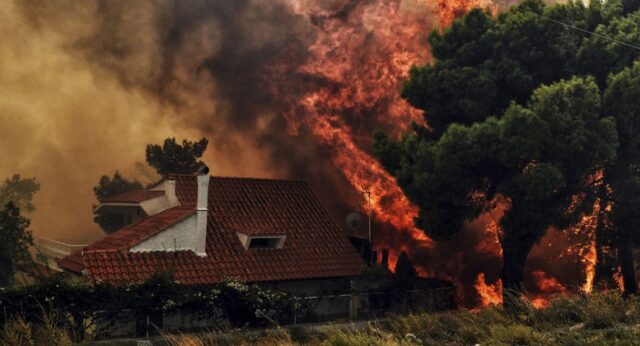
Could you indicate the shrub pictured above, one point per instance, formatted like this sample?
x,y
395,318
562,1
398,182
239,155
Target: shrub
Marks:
x,y
516,334
604,310
17,332
78,306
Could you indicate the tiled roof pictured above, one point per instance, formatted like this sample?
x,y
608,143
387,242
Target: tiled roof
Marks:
x,y
130,235
120,267
314,248
133,196
258,231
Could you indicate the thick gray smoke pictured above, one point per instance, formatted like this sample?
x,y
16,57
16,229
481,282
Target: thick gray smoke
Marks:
x,y
92,82
85,85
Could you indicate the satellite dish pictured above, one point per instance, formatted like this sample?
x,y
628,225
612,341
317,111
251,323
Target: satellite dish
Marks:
x,y
355,220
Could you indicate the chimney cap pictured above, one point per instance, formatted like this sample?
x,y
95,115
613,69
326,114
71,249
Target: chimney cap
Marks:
x,y
203,169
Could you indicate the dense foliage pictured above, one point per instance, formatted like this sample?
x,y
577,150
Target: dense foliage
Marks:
x,y
15,239
117,184
622,176
19,191
173,157
111,186
515,115
78,306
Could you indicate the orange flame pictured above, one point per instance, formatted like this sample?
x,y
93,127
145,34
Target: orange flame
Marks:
x,y
547,284
489,294
589,259
362,53
539,302
365,53
617,277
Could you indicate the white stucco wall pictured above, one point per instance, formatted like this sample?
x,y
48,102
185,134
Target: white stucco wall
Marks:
x,y
179,237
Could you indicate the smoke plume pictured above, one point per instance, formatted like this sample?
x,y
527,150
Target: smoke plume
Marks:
x,y
281,88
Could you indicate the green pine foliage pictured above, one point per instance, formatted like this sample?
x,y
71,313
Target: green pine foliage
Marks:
x,y
523,110
173,157
19,191
111,186
15,239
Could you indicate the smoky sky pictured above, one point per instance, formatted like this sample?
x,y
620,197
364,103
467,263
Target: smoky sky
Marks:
x,y
85,85
197,68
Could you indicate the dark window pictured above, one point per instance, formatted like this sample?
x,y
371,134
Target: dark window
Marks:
x,y
264,243
259,243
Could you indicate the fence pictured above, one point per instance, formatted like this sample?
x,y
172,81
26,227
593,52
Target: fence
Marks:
x,y
311,309
368,305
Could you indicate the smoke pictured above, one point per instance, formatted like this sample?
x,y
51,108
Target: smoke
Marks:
x,y
282,88
86,85
93,82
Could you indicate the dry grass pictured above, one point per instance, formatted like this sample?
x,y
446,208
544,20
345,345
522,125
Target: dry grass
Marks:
x,y
599,319
18,332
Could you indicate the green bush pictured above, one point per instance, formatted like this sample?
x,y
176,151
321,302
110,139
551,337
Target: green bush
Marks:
x,y
74,305
606,310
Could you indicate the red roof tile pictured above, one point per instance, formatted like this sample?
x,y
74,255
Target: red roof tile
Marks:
x,y
120,267
314,248
133,196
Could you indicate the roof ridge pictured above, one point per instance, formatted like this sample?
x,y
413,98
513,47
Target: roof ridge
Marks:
x,y
262,179
227,177
119,251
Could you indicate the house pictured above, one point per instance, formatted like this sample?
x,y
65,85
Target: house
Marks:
x,y
204,229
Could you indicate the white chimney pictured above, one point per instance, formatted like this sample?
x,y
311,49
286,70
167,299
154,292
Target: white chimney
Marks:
x,y
170,192
201,211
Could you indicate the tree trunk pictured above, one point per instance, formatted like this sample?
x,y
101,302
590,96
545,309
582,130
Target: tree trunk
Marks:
x,y
625,257
514,257
603,272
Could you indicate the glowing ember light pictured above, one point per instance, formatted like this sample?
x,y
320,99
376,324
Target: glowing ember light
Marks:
x,y
617,277
363,53
539,302
360,57
489,294
589,260
547,284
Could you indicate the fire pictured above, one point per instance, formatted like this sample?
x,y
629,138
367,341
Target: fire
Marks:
x,y
586,249
489,294
353,72
617,277
450,10
546,284
589,259
539,302
364,53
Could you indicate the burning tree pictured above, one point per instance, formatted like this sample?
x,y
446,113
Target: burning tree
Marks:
x,y
623,175
465,160
538,158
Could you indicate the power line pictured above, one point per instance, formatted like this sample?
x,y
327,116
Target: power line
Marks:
x,y
570,26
